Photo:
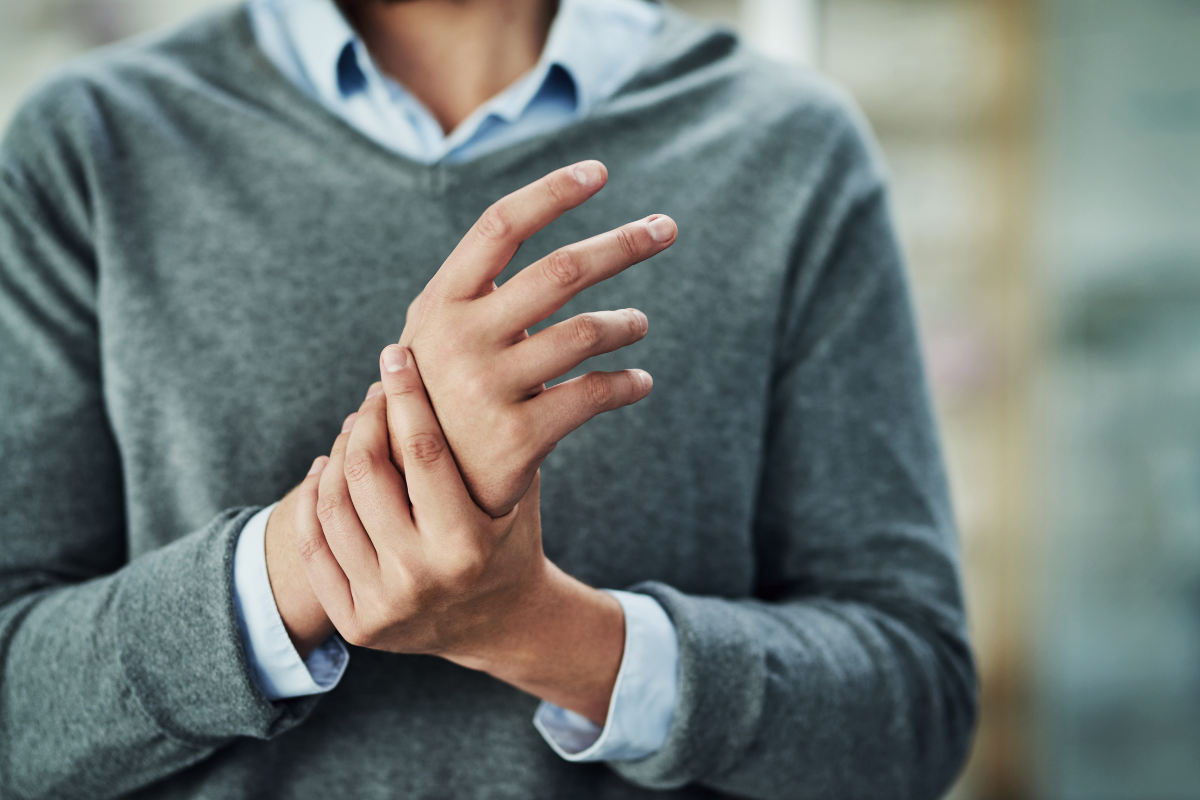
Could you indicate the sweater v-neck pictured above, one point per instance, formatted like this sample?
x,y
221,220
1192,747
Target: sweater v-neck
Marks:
x,y
252,69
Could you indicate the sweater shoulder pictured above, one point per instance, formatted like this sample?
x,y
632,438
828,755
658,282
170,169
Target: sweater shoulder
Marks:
x,y
793,104
63,115
713,84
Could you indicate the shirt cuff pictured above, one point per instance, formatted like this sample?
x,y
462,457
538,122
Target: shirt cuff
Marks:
x,y
643,699
274,663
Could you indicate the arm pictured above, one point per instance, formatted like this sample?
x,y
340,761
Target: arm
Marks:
x,y
410,564
101,690
486,377
849,675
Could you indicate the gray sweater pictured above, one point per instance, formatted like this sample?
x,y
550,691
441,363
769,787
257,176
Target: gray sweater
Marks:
x,y
198,268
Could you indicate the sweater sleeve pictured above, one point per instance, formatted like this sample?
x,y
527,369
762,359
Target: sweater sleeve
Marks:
x,y
114,671
848,674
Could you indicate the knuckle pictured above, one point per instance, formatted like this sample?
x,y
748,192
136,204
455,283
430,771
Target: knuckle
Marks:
x,y
585,331
328,507
495,225
558,186
359,466
310,547
423,448
437,293
475,388
628,243
562,268
598,390
403,386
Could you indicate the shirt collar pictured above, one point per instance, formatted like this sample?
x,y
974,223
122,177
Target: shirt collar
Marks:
x,y
589,41
320,36
592,39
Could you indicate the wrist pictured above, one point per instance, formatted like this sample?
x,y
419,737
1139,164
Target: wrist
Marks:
x,y
303,617
561,640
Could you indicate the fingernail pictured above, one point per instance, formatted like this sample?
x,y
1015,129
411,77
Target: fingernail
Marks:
x,y
394,358
647,381
642,319
588,174
375,389
349,423
661,228
317,465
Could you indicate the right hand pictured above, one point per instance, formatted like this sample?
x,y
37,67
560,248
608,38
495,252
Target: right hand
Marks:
x,y
410,564
485,375
483,372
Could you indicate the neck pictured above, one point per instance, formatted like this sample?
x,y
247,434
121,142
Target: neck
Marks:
x,y
453,55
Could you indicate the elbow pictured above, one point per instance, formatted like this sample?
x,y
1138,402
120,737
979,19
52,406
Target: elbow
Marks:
x,y
953,712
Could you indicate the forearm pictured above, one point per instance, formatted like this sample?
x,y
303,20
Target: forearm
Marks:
x,y
840,698
119,681
55,681
562,642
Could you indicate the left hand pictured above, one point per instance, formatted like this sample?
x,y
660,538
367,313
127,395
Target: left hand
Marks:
x,y
410,564
485,375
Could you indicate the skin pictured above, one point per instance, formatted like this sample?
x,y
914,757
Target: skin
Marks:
x,y
556,638
478,591
408,563
490,43
485,375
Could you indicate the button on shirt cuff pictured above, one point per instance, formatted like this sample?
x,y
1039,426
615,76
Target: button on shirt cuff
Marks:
x,y
274,663
643,700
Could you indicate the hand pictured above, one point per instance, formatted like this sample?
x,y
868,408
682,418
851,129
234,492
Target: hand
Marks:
x,y
501,427
483,372
410,564
303,618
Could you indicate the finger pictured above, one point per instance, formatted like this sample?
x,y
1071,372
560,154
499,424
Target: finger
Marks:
x,y
491,242
546,285
435,487
324,572
376,388
339,520
563,408
377,491
562,347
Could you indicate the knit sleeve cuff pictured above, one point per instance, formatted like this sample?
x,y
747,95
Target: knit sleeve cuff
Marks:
x,y
722,682
179,646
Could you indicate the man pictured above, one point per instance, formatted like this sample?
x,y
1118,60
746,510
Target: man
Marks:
x,y
204,241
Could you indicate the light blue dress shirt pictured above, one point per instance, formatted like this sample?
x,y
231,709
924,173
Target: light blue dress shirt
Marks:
x,y
593,47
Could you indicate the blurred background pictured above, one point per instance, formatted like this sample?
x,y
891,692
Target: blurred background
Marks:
x,y
1045,157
